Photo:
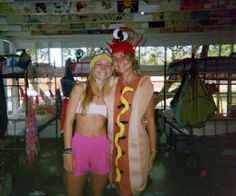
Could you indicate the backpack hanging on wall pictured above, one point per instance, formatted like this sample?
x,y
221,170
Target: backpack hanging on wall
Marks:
x,y
195,105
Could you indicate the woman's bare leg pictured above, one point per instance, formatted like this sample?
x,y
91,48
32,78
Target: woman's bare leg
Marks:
x,y
98,182
75,184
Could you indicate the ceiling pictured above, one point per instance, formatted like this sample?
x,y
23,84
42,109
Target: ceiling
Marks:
x,y
33,19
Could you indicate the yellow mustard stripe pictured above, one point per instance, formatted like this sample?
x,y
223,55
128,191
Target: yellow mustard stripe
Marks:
x,y
122,129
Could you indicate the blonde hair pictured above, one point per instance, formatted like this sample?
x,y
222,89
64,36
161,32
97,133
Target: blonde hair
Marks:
x,y
92,89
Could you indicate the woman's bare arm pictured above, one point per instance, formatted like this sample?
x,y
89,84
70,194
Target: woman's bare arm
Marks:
x,y
70,113
75,96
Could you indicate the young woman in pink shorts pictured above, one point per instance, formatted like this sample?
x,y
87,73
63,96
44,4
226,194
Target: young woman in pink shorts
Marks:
x,y
87,151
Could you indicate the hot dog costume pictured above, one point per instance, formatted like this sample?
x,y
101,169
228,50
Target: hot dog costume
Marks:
x,y
129,142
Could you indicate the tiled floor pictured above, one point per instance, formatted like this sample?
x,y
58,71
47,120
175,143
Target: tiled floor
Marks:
x,y
210,171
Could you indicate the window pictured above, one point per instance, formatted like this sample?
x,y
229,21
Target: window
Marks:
x,y
12,94
234,48
169,55
42,55
178,52
225,50
32,54
55,57
181,52
233,98
9,95
198,51
152,55
213,50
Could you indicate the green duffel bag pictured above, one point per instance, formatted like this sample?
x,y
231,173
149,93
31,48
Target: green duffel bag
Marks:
x,y
198,105
178,100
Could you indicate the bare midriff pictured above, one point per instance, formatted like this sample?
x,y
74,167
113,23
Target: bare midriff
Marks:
x,y
91,125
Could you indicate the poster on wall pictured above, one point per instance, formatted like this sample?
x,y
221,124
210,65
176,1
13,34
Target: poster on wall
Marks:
x,y
214,17
204,4
127,6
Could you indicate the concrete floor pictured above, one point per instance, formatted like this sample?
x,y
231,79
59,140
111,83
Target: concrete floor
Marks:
x,y
209,171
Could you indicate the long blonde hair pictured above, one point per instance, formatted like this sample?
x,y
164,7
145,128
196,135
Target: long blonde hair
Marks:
x,y
92,89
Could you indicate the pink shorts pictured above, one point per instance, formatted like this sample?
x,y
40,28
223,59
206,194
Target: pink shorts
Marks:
x,y
91,154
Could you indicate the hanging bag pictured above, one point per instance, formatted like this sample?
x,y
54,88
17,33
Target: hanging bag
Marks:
x,y
178,100
195,105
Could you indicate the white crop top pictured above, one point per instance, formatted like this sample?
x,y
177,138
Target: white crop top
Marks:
x,y
94,109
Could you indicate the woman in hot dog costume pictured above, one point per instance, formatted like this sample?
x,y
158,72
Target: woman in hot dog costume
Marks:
x,y
132,146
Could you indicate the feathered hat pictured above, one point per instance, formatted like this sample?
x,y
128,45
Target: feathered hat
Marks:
x,y
121,43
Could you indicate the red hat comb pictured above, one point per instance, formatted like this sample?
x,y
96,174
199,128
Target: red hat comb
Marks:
x,y
120,41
